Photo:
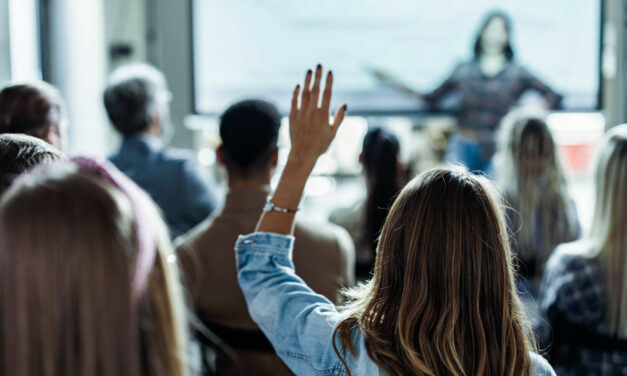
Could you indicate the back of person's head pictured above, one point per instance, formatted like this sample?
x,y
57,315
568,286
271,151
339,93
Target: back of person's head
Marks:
x,y
442,299
249,130
19,153
135,96
380,159
35,109
533,180
88,286
609,223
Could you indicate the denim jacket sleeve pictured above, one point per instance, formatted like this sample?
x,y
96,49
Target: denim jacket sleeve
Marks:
x,y
298,322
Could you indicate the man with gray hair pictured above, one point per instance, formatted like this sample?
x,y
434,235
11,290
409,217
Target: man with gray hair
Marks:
x,y
137,102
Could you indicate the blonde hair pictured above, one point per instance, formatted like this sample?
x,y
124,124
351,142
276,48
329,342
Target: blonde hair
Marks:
x,y
607,233
442,300
533,182
68,248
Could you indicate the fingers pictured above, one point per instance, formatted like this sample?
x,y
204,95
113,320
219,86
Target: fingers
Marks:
x,y
315,90
326,95
304,101
339,117
295,100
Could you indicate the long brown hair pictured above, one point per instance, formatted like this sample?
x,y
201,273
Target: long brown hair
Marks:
x,y
607,233
442,300
534,184
68,249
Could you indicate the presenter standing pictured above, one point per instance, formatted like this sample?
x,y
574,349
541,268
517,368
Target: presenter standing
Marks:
x,y
487,86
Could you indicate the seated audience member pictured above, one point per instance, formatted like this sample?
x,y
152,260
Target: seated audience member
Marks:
x,y
442,300
88,286
137,102
19,153
35,109
542,215
584,289
384,177
325,254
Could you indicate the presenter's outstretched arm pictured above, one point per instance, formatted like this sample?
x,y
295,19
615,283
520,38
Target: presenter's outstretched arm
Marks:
x,y
389,79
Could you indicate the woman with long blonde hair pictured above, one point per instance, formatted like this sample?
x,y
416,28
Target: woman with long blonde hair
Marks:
x,y
541,214
88,284
442,300
584,289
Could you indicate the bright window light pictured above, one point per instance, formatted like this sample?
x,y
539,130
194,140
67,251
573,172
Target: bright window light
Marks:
x,y
24,40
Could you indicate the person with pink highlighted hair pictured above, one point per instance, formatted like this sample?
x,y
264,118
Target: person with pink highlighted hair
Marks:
x,y
88,280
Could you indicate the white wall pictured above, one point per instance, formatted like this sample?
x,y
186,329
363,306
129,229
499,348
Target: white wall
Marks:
x,y
169,49
126,25
614,64
78,68
5,59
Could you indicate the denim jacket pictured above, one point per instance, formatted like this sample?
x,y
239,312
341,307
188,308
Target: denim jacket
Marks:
x,y
298,322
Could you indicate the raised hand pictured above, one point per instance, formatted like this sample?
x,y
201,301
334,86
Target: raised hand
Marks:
x,y
310,130
311,134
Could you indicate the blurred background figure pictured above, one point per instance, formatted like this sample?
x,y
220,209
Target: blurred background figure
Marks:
x,y
19,153
137,102
446,76
541,214
35,109
583,295
116,309
487,87
324,254
384,176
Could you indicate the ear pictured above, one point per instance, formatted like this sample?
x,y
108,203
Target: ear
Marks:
x,y
53,137
400,165
155,121
361,158
275,158
402,176
220,155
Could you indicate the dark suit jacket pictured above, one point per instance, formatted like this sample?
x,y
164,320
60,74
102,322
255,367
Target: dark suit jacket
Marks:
x,y
170,176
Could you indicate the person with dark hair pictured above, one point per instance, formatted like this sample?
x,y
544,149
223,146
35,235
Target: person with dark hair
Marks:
x,y
249,131
19,153
137,102
442,299
487,87
383,173
35,109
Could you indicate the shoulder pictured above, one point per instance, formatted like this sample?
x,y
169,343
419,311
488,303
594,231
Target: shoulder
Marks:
x,y
348,217
323,234
571,258
517,70
573,283
177,157
539,366
360,363
183,165
466,67
197,236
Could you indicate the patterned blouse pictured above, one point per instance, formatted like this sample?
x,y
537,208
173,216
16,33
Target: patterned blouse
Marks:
x,y
482,100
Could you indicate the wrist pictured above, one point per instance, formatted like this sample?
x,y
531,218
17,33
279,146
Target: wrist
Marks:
x,y
301,163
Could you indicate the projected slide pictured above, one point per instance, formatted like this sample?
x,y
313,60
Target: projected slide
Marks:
x,y
261,48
